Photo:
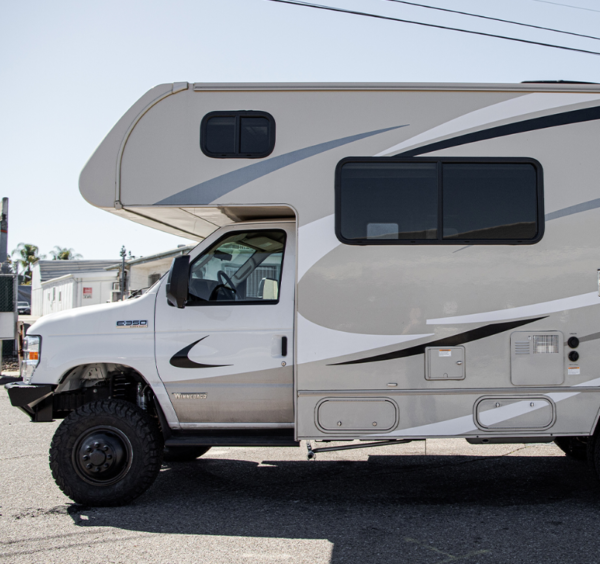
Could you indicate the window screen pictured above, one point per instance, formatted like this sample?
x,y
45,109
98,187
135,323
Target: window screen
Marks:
x,y
239,134
439,201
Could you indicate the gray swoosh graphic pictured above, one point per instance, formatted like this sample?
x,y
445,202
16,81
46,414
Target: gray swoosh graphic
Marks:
x,y
577,208
207,192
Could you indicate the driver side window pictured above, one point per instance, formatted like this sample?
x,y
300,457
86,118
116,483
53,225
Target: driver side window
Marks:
x,y
242,267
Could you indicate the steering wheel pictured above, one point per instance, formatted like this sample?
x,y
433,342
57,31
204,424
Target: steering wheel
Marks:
x,y
224,278
227,285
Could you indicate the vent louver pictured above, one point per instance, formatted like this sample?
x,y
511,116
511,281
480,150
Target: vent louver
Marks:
x,y
522,347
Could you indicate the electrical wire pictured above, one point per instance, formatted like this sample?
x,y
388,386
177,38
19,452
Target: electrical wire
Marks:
x,y
568,6
493,19
380,17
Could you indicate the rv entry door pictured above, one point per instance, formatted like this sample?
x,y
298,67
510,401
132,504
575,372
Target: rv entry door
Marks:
x,y
227,356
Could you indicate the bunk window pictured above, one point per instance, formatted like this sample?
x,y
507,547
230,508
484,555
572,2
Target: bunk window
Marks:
x,y
439,201
237,135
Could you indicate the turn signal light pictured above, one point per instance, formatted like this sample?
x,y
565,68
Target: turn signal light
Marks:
x,y
33,355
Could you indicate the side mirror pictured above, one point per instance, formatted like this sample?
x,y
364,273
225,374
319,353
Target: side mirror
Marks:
x,y
177,283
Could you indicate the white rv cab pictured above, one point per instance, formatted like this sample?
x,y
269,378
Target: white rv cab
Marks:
x,y
375,263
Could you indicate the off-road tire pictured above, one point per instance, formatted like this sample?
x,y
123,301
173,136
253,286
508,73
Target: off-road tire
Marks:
x,y
139,455
184,454
573,447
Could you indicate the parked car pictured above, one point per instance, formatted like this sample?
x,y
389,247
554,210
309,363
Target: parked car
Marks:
x,y
23,308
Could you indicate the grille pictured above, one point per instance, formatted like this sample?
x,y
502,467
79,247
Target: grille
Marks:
x,y
522,347
543,344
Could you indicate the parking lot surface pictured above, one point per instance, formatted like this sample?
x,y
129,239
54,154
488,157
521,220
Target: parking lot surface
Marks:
x,y
446,501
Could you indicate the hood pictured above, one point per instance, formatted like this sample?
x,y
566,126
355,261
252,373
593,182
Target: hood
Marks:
x,y
98,319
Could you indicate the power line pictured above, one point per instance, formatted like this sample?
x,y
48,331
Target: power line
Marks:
x,y
493,19
568,6
377,16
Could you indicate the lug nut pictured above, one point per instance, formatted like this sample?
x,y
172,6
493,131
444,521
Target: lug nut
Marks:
x,y
88,466
104,448
108,456
96,469
88,449
96,444
105,466
86,456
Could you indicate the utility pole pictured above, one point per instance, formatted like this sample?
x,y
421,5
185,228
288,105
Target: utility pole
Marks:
x,y
123,254
4,237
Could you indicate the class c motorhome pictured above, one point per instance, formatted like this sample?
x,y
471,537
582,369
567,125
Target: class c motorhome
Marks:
x,y
376,263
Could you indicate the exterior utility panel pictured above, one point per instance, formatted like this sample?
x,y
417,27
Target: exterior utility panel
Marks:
x,y
427,323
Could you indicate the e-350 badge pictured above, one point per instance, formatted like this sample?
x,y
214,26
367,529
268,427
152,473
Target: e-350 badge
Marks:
x,y
133,324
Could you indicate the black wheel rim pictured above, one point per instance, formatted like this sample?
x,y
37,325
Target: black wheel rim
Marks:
x,y
102,456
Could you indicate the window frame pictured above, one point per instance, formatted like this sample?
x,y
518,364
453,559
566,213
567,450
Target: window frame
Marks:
x,y
189,303
237,114
440,161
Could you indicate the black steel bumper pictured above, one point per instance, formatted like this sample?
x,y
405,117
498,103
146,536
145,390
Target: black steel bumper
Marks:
x,y
33,399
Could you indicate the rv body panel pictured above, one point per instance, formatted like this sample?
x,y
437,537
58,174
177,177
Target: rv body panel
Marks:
x,y
368,315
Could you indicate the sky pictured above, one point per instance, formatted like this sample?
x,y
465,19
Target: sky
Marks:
x,y
70,69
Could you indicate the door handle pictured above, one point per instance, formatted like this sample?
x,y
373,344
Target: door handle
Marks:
x,y
283,346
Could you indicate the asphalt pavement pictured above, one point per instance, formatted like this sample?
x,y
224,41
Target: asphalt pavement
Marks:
x,y
443,501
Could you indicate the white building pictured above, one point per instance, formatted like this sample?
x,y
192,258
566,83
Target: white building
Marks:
x,y
144,271
58,285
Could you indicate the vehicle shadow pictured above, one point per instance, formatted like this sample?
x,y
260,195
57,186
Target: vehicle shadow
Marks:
x,y
386,509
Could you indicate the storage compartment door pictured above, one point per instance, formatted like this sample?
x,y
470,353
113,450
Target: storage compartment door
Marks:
x,y
355,414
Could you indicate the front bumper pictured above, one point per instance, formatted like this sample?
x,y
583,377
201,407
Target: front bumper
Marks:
x,y
34,399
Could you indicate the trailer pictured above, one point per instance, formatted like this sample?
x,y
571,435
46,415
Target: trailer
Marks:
x,y
377,263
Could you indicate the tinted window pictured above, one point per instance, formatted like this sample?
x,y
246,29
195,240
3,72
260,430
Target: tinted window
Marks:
x,y
237,134
389,201
244,266
220,134
489,201
439,200
254,135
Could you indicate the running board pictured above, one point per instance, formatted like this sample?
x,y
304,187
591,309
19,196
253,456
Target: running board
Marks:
x,y
232,439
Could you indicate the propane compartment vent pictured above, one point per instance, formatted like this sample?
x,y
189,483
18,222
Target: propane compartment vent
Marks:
x,y
544,344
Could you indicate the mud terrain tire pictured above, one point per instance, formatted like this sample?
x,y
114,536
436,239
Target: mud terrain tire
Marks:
x,y
106,453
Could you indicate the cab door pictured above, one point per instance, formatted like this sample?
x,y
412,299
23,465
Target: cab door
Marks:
x,y
227,357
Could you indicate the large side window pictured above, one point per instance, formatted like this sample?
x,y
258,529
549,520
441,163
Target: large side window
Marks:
x,y
439,201
242,267
237,134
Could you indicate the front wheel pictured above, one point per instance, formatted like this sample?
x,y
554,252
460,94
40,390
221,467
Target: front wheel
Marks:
x,y
106,453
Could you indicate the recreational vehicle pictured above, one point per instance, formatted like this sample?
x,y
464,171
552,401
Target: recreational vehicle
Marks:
x,y
377,264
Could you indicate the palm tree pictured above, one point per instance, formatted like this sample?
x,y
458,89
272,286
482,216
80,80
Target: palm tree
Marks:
x,y
63,253
27,255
